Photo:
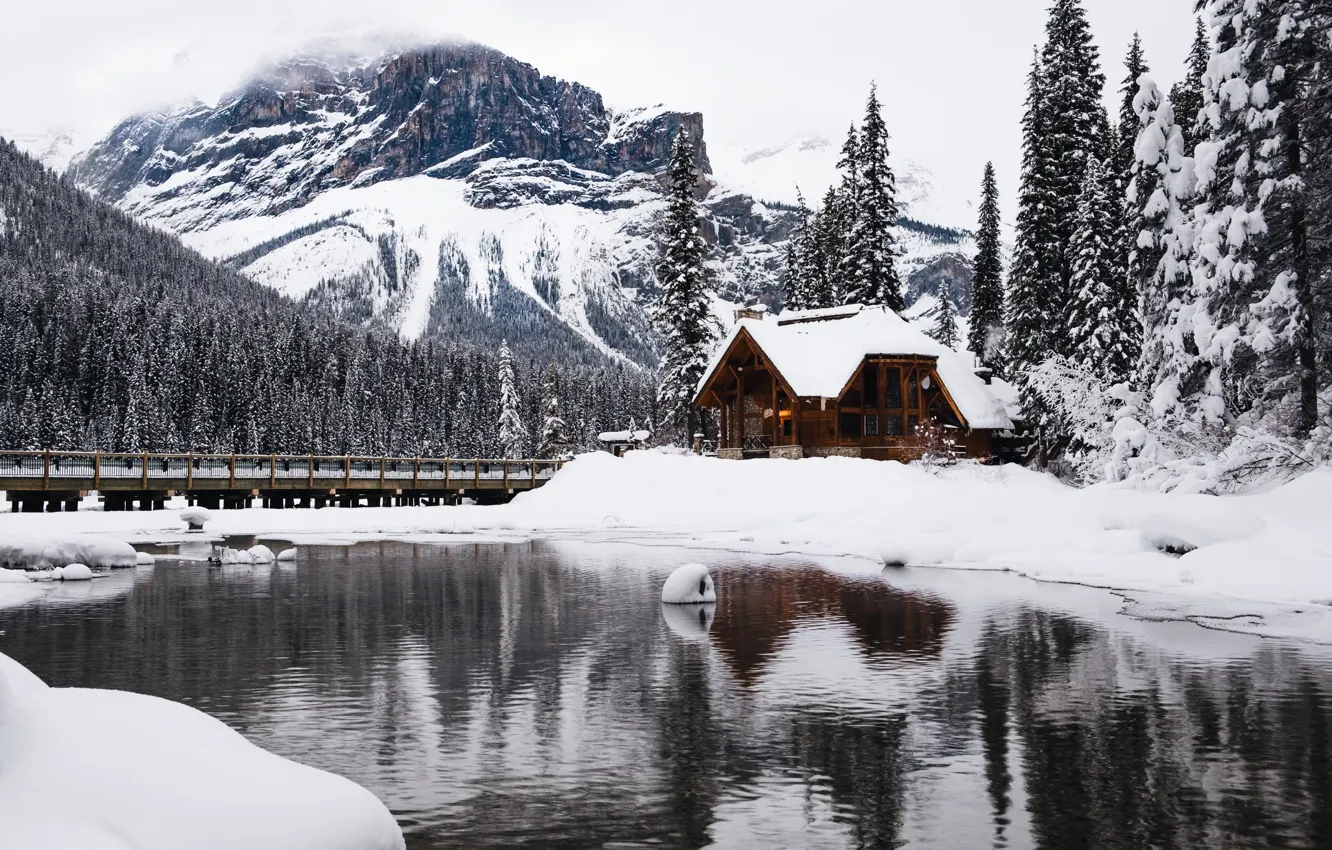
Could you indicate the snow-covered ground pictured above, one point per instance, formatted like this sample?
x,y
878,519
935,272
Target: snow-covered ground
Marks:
x,y
1260,562
108,770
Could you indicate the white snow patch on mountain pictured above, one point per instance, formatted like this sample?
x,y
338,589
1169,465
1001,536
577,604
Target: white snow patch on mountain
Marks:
x,y
582,246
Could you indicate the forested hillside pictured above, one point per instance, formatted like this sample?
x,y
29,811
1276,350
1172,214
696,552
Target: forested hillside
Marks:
x,y
120,338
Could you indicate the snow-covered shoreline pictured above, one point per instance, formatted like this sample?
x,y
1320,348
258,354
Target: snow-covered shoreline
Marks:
x,y
1271,549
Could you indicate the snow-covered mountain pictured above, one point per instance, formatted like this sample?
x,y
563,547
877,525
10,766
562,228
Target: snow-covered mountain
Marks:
x,y
445,189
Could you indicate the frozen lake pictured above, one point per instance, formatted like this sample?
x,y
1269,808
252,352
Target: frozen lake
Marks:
x,y
538,694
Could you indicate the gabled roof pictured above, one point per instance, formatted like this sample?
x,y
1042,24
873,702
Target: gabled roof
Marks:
x,y
818,351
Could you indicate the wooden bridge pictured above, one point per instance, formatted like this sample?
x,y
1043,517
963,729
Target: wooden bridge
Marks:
x,y
52,480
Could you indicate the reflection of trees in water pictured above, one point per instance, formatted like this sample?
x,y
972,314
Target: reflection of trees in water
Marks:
x,y
757,608
407,650
1123,748
861,760
691,743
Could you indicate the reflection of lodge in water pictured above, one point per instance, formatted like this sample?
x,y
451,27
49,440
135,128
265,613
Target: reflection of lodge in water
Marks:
x,y
757,609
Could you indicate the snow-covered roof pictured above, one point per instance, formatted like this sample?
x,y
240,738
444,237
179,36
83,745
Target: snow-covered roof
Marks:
x,y
817,352
625,436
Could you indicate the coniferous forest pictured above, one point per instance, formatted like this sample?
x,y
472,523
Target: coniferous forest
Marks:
x,y
119,338
1163,310
1166,305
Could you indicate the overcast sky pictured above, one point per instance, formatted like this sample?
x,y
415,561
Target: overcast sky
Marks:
x,y
951,72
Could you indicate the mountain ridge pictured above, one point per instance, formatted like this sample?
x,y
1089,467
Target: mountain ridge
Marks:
x,y
448,188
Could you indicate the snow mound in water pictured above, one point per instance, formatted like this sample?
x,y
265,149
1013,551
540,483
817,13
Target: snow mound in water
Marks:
x,y
689,585
287,555
145,560
169,777
13,576
41,553
73,572
261,554
236,556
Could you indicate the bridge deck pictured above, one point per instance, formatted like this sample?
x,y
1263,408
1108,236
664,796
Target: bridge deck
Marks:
x,y
50,478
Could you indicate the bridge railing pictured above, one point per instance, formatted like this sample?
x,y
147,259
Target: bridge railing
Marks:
x,y
321,471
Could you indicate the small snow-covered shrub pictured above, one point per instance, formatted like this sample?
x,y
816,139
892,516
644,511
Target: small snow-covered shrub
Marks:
x,y
1079,415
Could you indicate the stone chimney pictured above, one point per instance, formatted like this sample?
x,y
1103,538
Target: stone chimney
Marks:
x,y
756,311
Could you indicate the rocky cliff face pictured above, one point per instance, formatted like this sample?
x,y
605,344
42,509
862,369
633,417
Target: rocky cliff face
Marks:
x,y
313,124
438,190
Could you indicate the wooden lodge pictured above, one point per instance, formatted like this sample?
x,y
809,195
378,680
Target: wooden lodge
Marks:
x,y
848,381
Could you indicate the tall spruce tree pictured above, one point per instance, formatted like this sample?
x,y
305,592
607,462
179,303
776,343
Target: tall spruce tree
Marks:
x,y
840,208
1123,166
827,246
682,313
1103,315
797,281
873,247
1073,135
1186,96
1035,306
986,332
555,442
512,432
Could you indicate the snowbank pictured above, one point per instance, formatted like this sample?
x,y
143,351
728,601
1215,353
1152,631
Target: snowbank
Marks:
x,y
1272,547
42,552
97,770
1268,547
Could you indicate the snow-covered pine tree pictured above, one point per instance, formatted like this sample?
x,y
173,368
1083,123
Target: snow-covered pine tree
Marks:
x,y
826,247
1103,316
1186,96
555,442
682,313
512,432
797,283
841,207
945,320
1035,303
873,244
1074,132
1161,185
1291,111
986,333
1123,165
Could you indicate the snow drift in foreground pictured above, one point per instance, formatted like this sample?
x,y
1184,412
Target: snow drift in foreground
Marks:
x,y
109,770
45,552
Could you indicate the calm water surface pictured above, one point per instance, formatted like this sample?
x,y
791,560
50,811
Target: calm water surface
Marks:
x,y
540,695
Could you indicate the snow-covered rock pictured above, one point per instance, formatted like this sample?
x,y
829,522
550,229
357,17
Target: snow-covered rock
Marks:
x,y
261,554
689,584
73,572
45,552
109,770
287,555
195,517
235,556
145,560
13,576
